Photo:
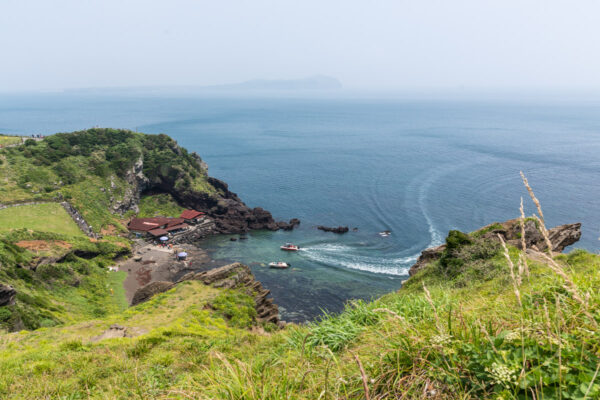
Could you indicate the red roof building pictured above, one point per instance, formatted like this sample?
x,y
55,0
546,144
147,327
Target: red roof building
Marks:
x,y
158,232
191,214
150,224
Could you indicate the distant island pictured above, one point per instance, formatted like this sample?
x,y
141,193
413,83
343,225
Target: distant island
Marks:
x,y
315,83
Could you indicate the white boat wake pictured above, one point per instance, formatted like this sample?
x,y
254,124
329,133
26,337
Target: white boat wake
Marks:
x,y
340,255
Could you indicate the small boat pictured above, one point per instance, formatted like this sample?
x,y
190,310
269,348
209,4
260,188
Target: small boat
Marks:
x,y
290,247
385,233
279,265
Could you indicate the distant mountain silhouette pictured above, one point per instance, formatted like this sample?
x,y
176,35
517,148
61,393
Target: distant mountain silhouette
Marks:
x,y
310,84
317,82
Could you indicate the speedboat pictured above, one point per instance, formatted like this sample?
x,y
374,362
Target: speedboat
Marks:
x,y
385,233
279,265
290,247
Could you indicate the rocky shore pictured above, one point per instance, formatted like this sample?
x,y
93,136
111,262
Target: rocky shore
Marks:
x,y
224,207
232,276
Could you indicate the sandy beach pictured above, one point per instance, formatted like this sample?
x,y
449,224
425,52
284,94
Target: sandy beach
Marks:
x,y
159,264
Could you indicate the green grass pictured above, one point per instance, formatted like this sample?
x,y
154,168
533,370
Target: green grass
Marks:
x,y
6,140
49,217
162,205
115,282
464,342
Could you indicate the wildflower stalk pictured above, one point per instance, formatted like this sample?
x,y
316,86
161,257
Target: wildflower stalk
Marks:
x,y
430,301
523,242
516,281
542,223
363,375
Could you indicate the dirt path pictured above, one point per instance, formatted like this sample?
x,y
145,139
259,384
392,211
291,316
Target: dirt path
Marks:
x,y
159,264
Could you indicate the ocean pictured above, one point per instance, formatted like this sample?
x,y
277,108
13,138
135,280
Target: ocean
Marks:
x,y
415,167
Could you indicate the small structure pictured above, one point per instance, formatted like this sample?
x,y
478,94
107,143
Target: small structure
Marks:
x,y
192,216
156,227
181,256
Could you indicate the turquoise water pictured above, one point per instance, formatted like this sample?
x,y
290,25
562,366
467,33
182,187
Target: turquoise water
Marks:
x,y
416,168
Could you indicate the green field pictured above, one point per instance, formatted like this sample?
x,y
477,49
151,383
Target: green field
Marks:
x,y
48,217
8,140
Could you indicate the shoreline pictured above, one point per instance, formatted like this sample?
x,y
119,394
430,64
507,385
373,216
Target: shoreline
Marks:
x,y
151,263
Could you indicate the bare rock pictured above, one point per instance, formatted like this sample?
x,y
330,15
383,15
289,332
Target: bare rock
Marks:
x,y
427,256
339,229
146,292
7,295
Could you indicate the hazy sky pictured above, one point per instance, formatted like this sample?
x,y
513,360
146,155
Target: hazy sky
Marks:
x,y
373,44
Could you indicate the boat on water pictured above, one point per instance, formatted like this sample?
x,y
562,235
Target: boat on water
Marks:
x,y
385,233
290,247
279,265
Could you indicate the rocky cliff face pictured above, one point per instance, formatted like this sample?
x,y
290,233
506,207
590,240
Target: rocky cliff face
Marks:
x,y
560,237
233,276
226,209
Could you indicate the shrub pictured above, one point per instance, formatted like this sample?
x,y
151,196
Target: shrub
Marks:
x,y
236,307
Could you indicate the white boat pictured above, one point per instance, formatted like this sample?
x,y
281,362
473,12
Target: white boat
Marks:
x,y
385,233
279,264
290,247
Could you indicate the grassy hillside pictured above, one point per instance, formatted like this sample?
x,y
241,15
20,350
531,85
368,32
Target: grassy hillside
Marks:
x,y
50,217
59,279
436,338
89,169
159,205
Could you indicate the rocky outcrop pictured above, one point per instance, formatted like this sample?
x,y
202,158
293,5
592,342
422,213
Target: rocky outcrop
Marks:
x,y
7,295
233,276
231,215
225,208
339,229
137,183
145,293
428,255
560,237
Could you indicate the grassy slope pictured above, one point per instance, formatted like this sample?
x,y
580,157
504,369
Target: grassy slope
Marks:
x,y
463,342
68,289
77,166
50,217
159,205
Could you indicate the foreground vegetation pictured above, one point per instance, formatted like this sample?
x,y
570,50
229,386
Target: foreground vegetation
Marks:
x,y
435,338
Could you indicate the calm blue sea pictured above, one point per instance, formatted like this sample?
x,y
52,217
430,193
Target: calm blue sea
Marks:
x,y
417,168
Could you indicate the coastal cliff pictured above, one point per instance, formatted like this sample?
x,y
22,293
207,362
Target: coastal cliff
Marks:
x,y
104,173
510,231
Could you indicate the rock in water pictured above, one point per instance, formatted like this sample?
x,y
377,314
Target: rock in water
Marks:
x,y
339,229
7,295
